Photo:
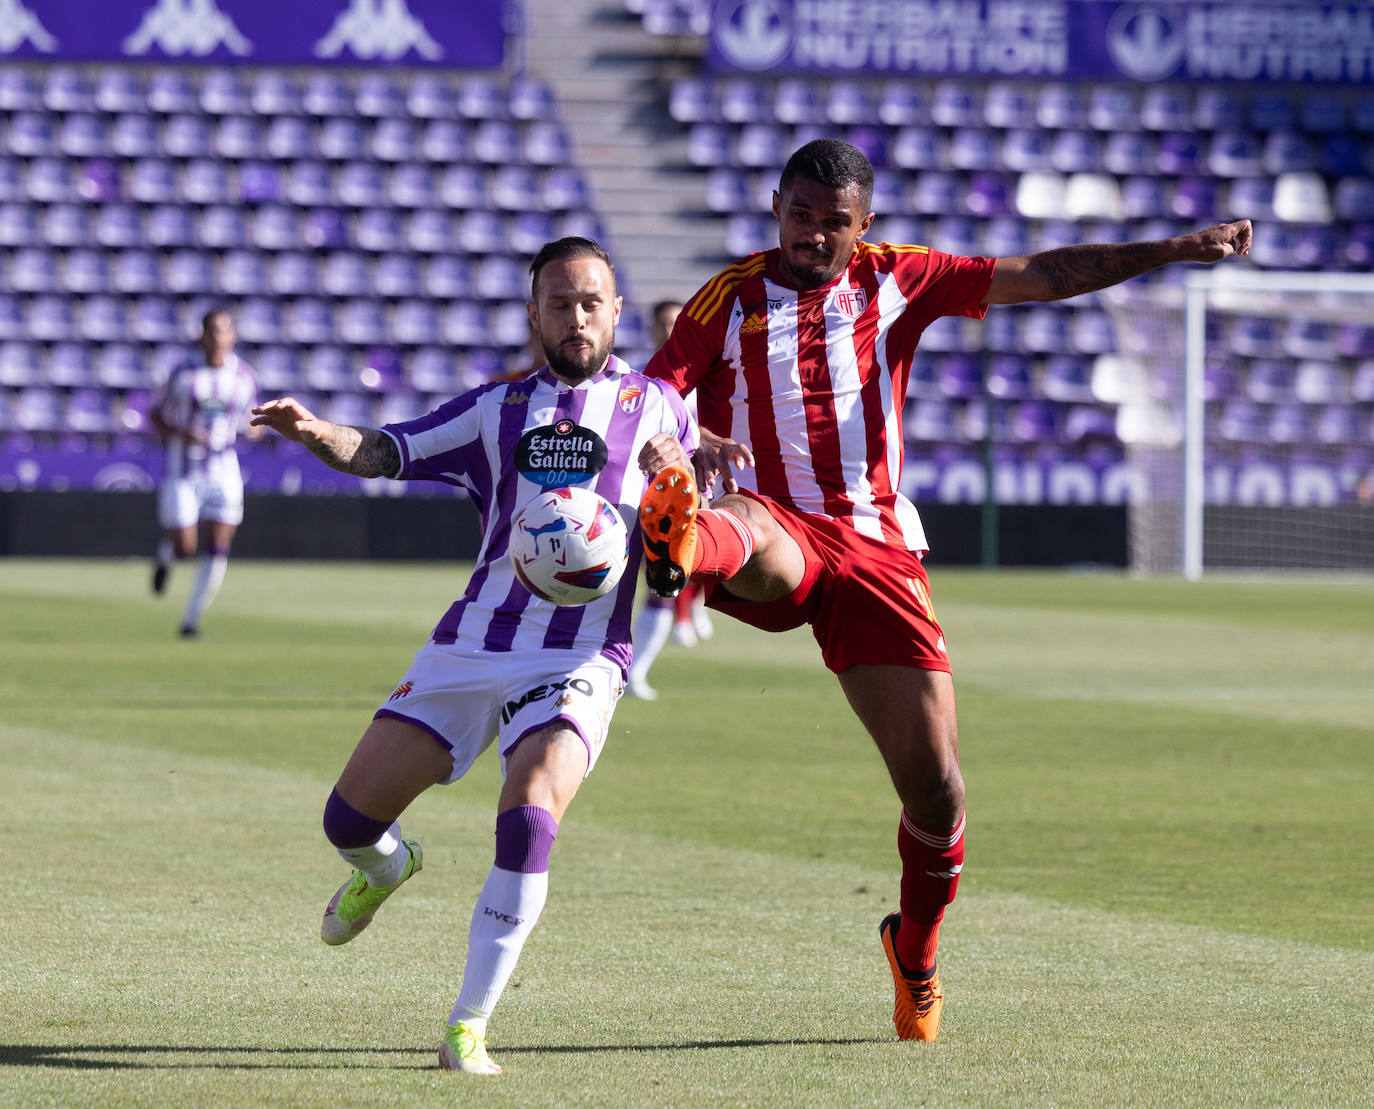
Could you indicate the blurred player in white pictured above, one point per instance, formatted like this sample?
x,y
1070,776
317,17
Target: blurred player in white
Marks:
x,y
684,617
540,680
199,413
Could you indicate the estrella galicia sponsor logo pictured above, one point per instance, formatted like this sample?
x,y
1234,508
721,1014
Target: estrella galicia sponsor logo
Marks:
x,y
543,692
564,453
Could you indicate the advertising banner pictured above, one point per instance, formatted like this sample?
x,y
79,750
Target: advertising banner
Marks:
x,y
1221,40
465,35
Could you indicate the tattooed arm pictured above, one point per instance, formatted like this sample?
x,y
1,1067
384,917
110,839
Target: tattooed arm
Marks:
x,y
1071,270
362,451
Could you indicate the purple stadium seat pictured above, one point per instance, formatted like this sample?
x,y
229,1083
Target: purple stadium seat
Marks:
x,y
501,278
481,97
1009,377
308,185
290,138
1000,331
188,273
1035,421
1255,337
12,323
19,89
1354,198
923,382
1087,422
1193,199
955,104
98,181
514,188
278,370
1253,196
1362,381
510,326
411,186
1007,106
960,375
1025,150
342,140
743,100
1166,108
152,181
221,227
33,270
1345,155
362,322
692,99
849,102
259,321
917,148
68,90
972,148
310,321
276,227
360,185
50,318
415,323
85,271
1113,108
746,233
224,92
529,231
354,409
1179,152
563,189
930,421
1045,330
429,231
1319,381
38,408
1319,247
480,231
31,135
1288,424
185,136
71,366
66,225
935,193
396,276
395,140
329,369
871,141
1288,152
242,273
345,274
889,190
275,93
1269,381
116,225
51,181
119,90
900,104
1076,151
292,274
11,181
446,141
1357,252
1355,339
1061,107
91,410
82,136
795,102
1091,331
543,144
447,277
1234,154
431,370
378,230
170,92
1218,108
155,320
136,272
465,324
1309,339
429,96
379,95
1336,425
531,99
120,366
259,183
709,145
1005,237
103,319
1242,421
239,138
1128,152
134,136
1067,378
1272,111
325,94
20,364
987,195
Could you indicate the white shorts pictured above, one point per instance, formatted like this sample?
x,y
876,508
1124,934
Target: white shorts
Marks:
x,y
184,502
465,699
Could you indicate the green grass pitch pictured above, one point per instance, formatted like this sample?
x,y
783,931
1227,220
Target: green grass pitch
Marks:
x,y
1169,897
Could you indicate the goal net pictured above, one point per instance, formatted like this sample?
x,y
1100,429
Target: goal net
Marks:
x,y
1246,408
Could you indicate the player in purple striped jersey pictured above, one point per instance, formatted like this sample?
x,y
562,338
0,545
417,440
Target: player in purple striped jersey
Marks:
x,y
199,413
540,680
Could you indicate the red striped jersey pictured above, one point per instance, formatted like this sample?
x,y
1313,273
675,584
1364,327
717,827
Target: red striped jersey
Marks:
x,y
813,380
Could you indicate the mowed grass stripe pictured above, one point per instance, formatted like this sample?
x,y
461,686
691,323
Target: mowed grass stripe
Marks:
x,y
164,951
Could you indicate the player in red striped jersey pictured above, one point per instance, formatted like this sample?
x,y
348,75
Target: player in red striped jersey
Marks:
x,y
799,356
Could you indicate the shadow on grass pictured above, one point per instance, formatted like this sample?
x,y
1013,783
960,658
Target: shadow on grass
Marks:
x,y
94,1056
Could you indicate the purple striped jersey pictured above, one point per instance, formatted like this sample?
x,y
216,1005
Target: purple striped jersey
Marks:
x,y
212,403
505,442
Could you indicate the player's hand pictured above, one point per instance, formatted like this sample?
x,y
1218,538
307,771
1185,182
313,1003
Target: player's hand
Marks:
x,y
716,458
662,450
288,418
1215,243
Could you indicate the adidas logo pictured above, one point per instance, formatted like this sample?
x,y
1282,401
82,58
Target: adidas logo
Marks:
x,y
186,27
18,25
378,29
752,324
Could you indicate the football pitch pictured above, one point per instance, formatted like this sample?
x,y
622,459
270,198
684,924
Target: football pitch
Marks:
x,y
1169,897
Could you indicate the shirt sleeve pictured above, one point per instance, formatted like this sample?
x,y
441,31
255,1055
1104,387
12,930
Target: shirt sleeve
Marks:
x,y
946,284
443,445
689,352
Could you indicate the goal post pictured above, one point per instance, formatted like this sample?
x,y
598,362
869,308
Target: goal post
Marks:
x,y
1246,410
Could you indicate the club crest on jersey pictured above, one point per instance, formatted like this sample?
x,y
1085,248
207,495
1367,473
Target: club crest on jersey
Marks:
x,y
563,453
851,302
631,399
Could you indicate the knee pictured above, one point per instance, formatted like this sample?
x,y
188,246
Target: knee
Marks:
x,y
346,827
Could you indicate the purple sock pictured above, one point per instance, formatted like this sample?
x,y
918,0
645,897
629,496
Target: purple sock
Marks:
x,y
346,827
524,838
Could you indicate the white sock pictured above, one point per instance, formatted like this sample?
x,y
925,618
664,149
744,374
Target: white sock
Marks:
x,y
383,862
166,553
505,914
652,627
210,570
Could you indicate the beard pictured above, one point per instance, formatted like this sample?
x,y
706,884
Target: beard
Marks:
x,y
578,364
810,269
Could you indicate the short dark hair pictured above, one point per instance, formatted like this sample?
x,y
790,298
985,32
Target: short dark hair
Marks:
x,y
210,315
664,306
562,250
831,163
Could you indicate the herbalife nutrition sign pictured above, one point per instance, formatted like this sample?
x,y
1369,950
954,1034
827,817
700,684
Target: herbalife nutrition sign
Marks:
x,y
460,34
1222,40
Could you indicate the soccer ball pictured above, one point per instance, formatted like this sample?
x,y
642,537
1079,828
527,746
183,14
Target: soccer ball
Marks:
x,y
568,546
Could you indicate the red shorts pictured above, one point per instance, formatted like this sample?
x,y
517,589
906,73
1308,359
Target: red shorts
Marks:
x,y
867,602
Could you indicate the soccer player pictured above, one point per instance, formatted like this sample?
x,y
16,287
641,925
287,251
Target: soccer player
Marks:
x,y
198,413
799,356
683,617
540,680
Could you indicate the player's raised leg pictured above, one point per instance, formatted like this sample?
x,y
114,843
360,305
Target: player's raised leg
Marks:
x,y
910,713
393,764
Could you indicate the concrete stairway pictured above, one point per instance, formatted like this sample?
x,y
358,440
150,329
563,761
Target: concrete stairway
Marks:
x,y
612,80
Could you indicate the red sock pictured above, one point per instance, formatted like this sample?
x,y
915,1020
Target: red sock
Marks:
x,y
724,545
931,861
682,606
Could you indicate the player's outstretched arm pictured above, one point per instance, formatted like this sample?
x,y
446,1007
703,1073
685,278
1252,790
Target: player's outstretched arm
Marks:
x,y
361,451
1070,271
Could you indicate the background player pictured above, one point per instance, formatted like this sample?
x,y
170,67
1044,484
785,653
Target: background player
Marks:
x,y
799,356
542,681
683,617
198,413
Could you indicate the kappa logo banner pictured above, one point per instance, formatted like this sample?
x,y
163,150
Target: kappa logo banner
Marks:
x,y
469,35
1139,40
